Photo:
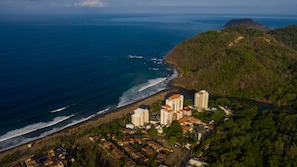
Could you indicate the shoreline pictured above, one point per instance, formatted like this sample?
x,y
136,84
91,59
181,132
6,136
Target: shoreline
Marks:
x,y
23,151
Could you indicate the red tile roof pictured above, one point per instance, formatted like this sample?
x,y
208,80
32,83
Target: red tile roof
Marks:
x,y
175,96
183,119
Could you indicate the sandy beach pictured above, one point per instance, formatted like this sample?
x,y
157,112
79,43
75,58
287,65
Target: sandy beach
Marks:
x,y
23,151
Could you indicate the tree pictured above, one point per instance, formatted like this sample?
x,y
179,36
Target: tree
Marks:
x,y
172,140
153,132
156,106
174,129
188,102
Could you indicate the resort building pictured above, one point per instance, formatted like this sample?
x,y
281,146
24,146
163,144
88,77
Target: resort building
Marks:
x,y
166,116
175,102
140,117
172,110
201,100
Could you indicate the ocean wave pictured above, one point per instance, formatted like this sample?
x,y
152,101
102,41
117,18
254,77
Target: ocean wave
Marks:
x,y
20,140
145,90
62,108
154,69
142,91
151,83
74,122
135,57
58,110
157,61
33,127
174,75
14,138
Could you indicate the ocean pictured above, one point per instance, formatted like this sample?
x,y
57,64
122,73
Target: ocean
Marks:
x,y
57,71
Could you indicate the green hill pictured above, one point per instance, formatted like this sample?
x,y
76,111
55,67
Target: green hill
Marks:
x,y
288,35
240,62
250,23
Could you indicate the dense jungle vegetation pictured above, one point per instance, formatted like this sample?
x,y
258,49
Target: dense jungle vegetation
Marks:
x,y
250,138
240,62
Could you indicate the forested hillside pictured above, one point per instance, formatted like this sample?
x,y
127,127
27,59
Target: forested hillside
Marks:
x,y
252,139
240,62
288,35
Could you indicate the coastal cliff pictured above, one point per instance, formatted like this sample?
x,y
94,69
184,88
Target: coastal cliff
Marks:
x,y
238,61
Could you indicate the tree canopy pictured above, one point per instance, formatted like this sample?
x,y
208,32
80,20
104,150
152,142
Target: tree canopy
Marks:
x,y
250,139
238,62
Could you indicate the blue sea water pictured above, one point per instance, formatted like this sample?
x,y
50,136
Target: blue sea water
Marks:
x,y
57,71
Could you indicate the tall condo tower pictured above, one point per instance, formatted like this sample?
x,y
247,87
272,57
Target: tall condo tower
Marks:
x,y
172,110
140,117
201,100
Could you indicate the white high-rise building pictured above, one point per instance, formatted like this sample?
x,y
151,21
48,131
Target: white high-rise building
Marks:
x,y
172,110
166,116
201,100
140,117
176,102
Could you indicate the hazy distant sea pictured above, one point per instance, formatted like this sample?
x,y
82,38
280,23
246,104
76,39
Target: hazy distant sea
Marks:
x,y
57,71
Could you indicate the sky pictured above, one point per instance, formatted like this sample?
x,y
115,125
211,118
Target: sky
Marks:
x,y
148,6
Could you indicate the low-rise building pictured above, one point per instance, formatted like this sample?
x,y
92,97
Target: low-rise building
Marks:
x,y
129,162
187,111
31,163
148,151
107,145
160,158
186,128
118,154
195,162
130,126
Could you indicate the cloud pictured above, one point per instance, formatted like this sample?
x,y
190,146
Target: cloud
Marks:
x,y
90,3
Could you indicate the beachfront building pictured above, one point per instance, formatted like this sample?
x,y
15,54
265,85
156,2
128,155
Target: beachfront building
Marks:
x,y
140,117
166,116
175,102
201,100
172,110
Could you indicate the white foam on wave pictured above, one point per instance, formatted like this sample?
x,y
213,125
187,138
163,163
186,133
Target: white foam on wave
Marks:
x,y
145,90
74,122
154,69
19,139
62,108
151,83
135,57
157,61
58,110
142,91
174,75
33,127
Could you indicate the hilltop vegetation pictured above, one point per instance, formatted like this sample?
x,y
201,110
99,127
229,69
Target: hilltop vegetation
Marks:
x,y
288,35
240,62
253,139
